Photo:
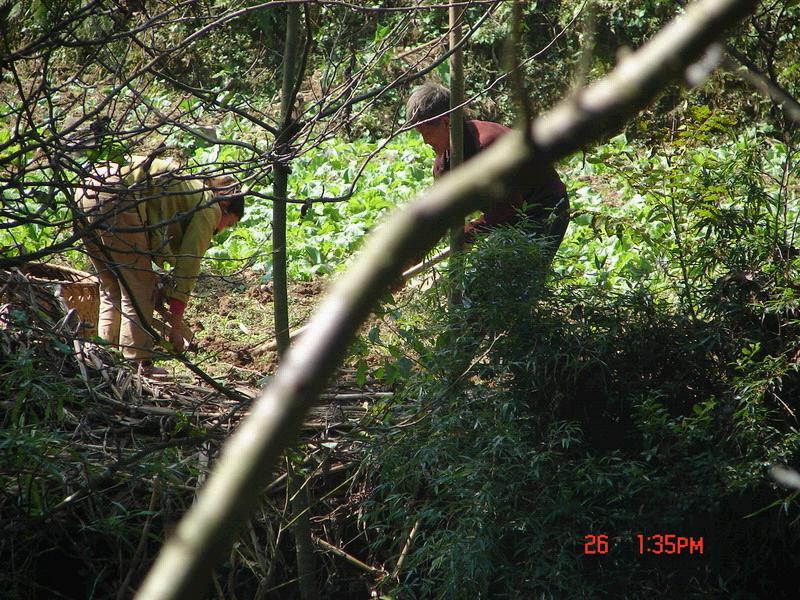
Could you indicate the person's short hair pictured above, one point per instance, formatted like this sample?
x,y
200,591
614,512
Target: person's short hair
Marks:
x,y
229,187
236,206
426,102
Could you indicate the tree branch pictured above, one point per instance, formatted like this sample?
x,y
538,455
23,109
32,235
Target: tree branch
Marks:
x,y
740,65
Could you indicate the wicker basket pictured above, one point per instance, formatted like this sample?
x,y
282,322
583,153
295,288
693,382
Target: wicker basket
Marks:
x,y
79,290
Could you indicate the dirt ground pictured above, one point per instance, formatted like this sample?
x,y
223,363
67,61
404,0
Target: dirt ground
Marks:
x,y
233,319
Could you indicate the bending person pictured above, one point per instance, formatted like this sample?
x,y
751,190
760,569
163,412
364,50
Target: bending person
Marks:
x,y
542,208
144,213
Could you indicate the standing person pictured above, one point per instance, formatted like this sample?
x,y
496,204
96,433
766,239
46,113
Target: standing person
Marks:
x,y
144,213
542,208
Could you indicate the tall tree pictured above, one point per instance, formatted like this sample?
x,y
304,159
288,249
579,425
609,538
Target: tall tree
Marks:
x,y
281,175
456,14
292,77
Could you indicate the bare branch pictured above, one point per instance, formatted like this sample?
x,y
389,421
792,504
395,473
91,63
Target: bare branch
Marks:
x,y
740,65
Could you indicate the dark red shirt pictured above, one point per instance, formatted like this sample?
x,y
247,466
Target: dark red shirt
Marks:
x,y
546,190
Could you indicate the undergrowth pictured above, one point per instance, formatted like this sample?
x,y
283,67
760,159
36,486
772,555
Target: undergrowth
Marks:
x,y
541,415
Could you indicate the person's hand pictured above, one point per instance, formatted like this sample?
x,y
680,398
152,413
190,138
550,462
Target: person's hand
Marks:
x,y
159,295
176,332
469,236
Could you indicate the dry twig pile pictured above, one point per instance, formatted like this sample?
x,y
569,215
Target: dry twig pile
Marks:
x,y
98,461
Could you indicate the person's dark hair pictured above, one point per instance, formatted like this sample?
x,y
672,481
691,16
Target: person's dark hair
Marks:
x,y
228,188
471,145
236,206
427,101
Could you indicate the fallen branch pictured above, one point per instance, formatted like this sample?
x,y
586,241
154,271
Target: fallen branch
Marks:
x,y
355,396
404,551
426,264
348,557
272,346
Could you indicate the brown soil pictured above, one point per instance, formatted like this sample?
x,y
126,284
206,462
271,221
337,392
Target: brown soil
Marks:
x,y
233,316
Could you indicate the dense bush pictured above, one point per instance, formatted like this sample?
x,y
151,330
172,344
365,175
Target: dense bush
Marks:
x,y
584,413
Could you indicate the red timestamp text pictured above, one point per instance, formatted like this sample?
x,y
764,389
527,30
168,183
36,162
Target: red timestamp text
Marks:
x,y
595,544
657,543
669,543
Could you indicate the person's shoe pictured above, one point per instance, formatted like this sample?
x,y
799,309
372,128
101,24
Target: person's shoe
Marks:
x,y
154,372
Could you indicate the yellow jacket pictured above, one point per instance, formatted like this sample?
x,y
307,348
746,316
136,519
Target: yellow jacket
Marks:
x,y
186,208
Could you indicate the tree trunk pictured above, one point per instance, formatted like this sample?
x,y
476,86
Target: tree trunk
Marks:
x,y
281,181
304,548
301,531
456,146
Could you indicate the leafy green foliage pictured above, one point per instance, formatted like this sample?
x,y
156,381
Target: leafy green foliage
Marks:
x,y
587,412
323,239
686,217
647,390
